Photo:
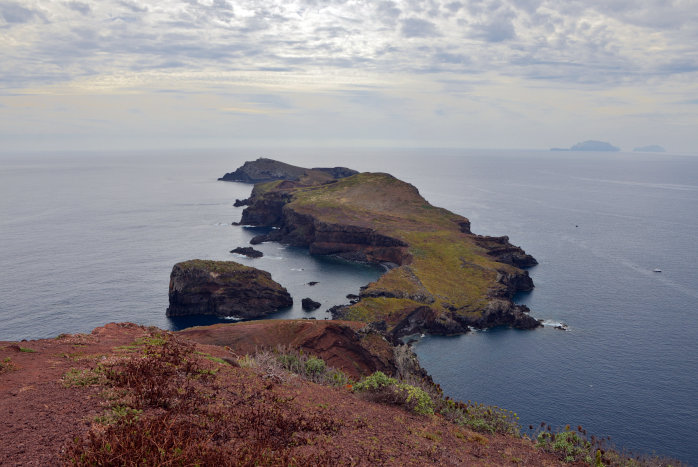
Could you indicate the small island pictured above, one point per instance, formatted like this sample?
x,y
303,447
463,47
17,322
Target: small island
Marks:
x,y
590,145
224,288
441,277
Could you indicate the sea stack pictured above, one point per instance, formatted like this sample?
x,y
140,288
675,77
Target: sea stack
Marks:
x,y
223,288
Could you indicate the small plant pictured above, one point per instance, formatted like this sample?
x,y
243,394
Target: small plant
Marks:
x,y
307,367
480,417
77,377
27,350
383,388
377,380
568,444
7,365
119,412
417,400
315,365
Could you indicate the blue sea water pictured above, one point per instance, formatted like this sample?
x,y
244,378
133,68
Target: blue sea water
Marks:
x,y
90,238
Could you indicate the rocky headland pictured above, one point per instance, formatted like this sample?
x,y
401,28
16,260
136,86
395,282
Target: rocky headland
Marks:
x,y
442,278
223,288
266,170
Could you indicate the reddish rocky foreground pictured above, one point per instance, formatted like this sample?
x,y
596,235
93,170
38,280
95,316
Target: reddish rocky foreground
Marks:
x,y
45,404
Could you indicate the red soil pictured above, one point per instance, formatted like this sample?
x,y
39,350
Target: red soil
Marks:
x,y
41,416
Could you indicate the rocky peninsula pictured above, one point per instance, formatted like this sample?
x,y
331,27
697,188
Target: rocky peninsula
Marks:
x,y
223,288
442,278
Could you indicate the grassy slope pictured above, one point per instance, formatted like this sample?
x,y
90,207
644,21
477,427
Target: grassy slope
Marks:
x,y
447,264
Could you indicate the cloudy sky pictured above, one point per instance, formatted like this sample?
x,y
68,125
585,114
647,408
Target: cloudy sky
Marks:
x,y
222,73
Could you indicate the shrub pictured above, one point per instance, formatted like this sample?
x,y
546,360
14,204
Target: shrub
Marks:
x,y
480,417
374,382
315,365
307,367
382,388
417,400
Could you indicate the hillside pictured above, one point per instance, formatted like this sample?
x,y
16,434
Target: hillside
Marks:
x,y
127,394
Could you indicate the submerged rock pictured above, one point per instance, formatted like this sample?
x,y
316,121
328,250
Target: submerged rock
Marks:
x,y
223,288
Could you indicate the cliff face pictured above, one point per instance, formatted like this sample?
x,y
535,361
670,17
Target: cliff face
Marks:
x,y
223,288
349,346
442,278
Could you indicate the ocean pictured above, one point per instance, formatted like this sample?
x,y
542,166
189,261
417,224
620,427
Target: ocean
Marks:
x,y
91,238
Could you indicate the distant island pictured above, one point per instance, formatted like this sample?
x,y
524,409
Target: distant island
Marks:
x,y
590,145
650,148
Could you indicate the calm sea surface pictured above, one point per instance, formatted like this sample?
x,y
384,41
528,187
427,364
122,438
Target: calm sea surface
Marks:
x,y
86,239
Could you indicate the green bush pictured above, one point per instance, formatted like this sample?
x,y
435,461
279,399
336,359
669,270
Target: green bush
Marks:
x,y
480,417
383,388
374,382
417,399
315,365
569,446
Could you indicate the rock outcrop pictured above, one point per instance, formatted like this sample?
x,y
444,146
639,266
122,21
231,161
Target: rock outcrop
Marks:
x,y
442,278
223,288
309,304
266,170
247,251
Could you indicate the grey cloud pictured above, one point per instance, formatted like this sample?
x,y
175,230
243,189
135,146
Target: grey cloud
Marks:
x,y
454,7
451,58
133,6
494,31
497,25
14,13
331,32
416,27
80,7
388,12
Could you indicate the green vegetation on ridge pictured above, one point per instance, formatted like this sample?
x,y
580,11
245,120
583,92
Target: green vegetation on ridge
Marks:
x,y
443,266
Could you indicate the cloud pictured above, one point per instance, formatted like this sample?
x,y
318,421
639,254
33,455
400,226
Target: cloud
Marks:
x,y
276,48
14,13
416,27
80,7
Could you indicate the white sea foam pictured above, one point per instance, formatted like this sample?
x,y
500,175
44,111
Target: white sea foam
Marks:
x,y
555,324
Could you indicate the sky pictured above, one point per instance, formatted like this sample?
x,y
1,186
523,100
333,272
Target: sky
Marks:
x,y
126,74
